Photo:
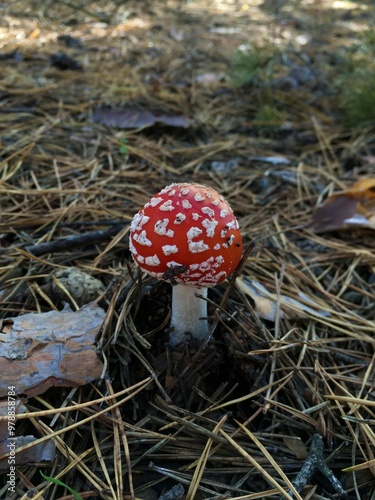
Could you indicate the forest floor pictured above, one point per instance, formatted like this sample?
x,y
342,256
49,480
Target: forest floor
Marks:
x,y
104,103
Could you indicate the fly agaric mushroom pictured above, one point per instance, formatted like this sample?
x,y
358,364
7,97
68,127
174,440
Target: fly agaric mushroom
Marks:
x,y
188,235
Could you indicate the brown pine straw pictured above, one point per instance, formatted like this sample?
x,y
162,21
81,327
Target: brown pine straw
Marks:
x,y
234,418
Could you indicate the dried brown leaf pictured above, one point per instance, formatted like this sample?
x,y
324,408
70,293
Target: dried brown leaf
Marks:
x,y
136,118
350,208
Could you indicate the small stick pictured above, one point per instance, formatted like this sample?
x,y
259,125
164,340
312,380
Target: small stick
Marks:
x,y
71,241
314,462
175,493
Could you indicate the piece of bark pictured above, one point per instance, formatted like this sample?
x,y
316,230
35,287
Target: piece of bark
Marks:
x,y
9,441
56,348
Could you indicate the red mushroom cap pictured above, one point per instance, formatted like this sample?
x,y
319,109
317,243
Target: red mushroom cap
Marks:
x,y
188,234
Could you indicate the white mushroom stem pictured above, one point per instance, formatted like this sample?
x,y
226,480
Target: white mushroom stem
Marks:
x,y
189,314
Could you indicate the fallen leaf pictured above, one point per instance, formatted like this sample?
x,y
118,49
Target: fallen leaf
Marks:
x,y
354,207
136,118
266,302
209,78
13,55
368,159
70,41
56,348
177,35
297,446
224,166
274,160
64,62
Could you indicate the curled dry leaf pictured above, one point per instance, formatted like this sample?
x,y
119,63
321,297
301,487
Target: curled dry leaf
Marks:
x,y
56,348
136,118
354,207
266,303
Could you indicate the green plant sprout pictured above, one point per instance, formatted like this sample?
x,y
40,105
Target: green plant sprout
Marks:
x,y
251,65
355,82
60,483
269,115
358,100
123,149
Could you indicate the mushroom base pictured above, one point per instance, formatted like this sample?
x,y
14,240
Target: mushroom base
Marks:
x,y
189,314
